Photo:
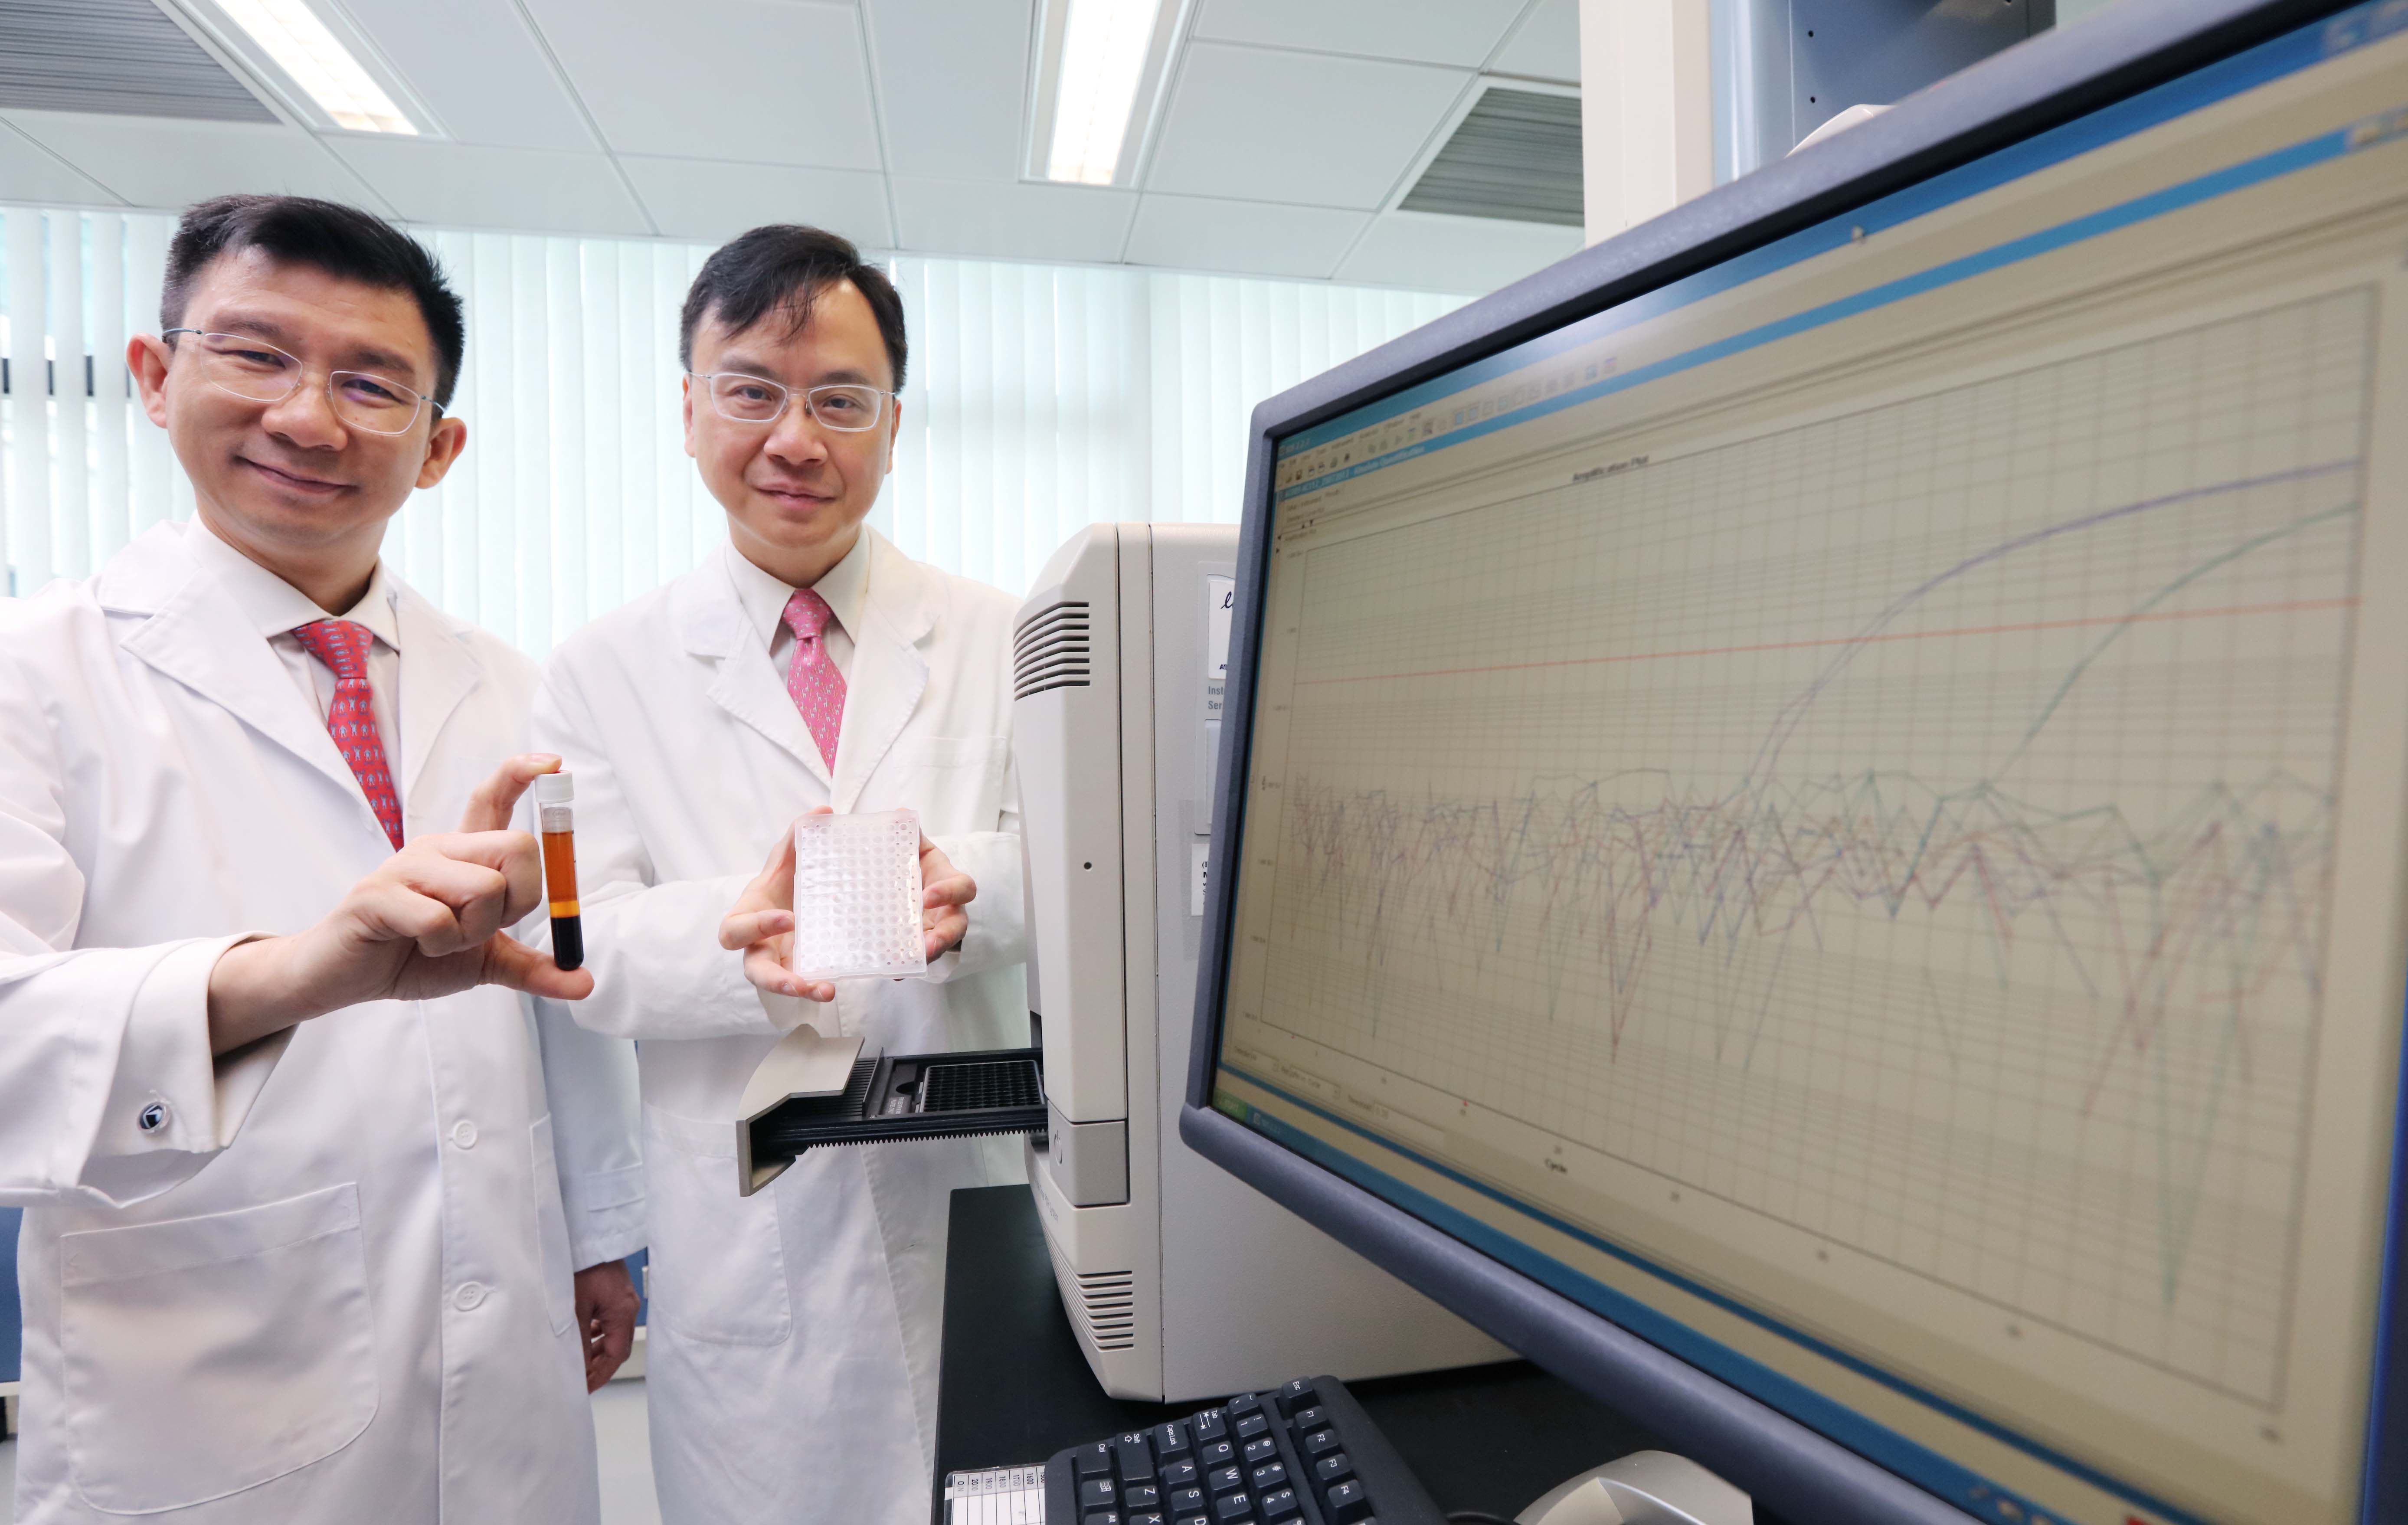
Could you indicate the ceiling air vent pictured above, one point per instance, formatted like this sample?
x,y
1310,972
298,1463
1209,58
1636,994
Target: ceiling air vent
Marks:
x,y
118,57
1515,156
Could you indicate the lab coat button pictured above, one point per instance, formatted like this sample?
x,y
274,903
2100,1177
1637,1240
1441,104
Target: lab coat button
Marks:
x,y
468,1296
152,1117
464,1133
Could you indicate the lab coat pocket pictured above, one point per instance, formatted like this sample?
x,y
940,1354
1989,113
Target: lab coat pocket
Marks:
x,y
552,1230
207,1355
718,1267
955,782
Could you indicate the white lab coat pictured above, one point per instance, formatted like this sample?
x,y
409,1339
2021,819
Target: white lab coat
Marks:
x,y
334,1283
792,1353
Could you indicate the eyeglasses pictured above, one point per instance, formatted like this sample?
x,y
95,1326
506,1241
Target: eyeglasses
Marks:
x,y
752,399
258,371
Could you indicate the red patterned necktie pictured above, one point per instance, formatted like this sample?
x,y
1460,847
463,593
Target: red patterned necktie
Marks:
x,y
343,646
812,681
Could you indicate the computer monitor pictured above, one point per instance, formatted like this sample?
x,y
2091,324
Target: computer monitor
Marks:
x,y
1816,796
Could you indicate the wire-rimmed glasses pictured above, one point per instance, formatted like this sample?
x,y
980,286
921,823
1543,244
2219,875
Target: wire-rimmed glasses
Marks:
x,y
754,399
258,371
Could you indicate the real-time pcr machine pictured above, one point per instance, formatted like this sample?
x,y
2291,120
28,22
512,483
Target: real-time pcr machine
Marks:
x,y
1119,663
1813,814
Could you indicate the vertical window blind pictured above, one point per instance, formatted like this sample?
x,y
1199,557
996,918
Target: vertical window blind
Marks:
x,y
1039,398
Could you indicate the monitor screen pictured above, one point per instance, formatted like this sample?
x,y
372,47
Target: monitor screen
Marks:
x,y
1847,813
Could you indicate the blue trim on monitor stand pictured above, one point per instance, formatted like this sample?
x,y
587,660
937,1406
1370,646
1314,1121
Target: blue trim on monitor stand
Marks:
x,y
1999,113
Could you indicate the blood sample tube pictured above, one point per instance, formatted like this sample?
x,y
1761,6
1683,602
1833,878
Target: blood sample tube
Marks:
x,y
552,793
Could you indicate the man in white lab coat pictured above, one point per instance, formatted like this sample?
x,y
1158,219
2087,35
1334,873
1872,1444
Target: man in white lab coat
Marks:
x,y
808,664
295,1247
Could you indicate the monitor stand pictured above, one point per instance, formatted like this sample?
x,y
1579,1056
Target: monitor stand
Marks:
x,y
1645,1488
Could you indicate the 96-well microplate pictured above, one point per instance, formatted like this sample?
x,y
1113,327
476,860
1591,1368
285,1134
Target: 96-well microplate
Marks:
x,y
857,896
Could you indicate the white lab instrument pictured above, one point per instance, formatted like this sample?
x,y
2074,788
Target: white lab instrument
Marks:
x,y
1118,664
857,897
1645,1488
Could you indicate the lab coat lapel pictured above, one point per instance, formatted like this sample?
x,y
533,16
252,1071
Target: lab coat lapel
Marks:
x,y
744,681
889,670
197,634
437,674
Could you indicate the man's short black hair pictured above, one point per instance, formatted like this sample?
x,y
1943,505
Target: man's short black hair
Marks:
x,y
782,269
341,240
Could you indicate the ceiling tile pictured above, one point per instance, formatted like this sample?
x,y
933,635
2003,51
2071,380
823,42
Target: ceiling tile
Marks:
x,y
1468,254
1246,237
471,185
30,173
692,198
503,91
1077,223
951,82
1250,123
150,163
1547,46
771,81
1460,32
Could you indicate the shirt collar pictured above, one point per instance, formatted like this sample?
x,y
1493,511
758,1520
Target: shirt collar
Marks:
x,y
274,605
846,589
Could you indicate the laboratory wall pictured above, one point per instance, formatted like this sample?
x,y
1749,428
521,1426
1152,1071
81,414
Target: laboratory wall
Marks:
x,y
1039,398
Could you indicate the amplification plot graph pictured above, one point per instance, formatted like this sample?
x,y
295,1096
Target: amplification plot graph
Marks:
x,y
1913,826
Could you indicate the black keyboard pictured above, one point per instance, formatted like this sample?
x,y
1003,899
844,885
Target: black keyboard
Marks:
x,y
1305,1455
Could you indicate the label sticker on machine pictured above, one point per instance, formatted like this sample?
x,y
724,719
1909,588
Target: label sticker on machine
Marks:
x,y
1220,603
1199,854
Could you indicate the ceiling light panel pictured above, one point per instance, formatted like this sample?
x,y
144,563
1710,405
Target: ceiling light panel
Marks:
x,y
1106,47
298,42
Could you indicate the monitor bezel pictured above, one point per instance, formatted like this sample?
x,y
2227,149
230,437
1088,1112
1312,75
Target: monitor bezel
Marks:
x,y
2036,85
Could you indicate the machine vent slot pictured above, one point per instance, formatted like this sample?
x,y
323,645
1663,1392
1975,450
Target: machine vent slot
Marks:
x,y
115,57
1108,1308
1515,156
1053,648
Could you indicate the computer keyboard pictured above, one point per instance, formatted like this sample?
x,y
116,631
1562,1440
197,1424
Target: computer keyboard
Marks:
x,y
1304,1455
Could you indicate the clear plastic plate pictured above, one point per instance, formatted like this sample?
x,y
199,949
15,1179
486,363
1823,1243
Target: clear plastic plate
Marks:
x,y
857,896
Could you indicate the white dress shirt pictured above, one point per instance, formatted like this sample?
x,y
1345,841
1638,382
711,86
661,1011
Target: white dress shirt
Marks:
x,y
846,589
276,608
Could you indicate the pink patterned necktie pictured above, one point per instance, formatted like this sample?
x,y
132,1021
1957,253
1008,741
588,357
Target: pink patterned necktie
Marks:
x,y
343,646
812,681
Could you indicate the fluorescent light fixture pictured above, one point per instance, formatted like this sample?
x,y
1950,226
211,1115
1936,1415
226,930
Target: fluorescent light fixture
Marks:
x,y
1104,48
292,35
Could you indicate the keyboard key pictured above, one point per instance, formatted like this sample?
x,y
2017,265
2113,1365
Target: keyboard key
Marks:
x,y
1253,1425
1179,1474
1222,1480
1096,1460
1219,1454
1135,1462
1099,1493
1231,1506
1347,1504
1269,1476
1100,1516
1140,1496
1149,1516
1190,1519
1210,1425
1259,1451
1334,1468
1292,1394
1320,1443
1310,1418
1245,1403
1170,1440
1186,1500
1281,1504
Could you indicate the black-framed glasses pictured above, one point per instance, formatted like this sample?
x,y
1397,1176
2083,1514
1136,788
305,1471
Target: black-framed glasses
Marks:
x,y
258,371
755,400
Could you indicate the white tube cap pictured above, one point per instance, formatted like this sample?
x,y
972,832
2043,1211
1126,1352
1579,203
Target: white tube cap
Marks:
x,y
555,789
